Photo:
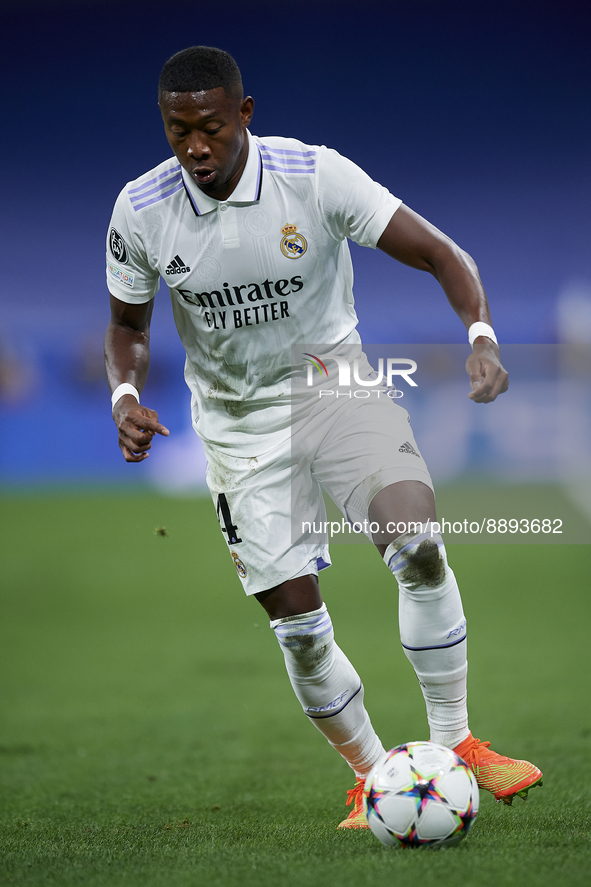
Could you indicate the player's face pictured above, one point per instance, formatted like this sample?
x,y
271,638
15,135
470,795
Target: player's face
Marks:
x,y
207,132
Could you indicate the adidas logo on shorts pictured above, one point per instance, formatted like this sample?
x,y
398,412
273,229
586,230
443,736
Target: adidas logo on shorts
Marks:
x,y
177,266
407,448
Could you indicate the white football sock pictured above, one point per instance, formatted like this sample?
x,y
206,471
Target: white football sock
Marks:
x,y
433,631
328,687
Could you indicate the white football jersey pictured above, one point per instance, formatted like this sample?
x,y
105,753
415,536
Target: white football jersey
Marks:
x,y
249,276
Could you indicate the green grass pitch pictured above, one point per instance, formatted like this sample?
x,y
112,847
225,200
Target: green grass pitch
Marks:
x,y
149,735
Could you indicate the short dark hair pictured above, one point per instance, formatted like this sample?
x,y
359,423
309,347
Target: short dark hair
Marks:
x,y
198,69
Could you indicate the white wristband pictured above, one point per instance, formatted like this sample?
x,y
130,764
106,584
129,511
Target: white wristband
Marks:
x,y
120,390
481,329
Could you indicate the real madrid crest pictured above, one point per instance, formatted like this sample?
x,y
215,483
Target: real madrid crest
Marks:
x,y
240,568
293,245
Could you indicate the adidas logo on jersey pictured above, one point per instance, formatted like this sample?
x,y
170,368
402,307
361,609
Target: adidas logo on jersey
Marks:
x,y
407,448
177,266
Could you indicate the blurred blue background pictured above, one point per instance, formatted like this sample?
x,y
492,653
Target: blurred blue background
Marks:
x,y
475,114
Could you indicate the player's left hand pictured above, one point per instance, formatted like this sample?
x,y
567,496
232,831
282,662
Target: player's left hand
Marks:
x,y
488,377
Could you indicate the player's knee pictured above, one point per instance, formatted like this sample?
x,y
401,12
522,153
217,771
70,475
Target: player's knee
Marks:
x,y
417,560
306,639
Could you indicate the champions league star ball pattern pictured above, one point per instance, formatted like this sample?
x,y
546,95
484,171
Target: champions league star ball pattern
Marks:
x,y
421,795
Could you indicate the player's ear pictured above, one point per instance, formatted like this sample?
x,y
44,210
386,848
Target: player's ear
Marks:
x,y
246,110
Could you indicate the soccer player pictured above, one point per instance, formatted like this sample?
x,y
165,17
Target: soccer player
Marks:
x,y
251,236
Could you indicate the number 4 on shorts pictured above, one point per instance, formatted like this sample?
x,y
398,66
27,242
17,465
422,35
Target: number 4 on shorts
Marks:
x,y
229,528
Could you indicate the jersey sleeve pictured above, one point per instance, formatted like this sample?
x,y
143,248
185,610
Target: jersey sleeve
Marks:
x,y
130,277
351,203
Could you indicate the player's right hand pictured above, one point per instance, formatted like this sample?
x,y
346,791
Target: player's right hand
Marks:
x,y
137,425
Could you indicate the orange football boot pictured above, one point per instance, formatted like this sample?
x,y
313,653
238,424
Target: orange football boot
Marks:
x,y
356,818
502,776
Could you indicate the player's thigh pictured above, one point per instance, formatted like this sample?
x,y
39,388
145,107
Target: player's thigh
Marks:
x,y
371,448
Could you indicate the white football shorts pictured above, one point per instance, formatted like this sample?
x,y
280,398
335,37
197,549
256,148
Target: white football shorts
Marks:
x,y
270,507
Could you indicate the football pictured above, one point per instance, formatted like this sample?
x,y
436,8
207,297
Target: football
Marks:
x,y
420,795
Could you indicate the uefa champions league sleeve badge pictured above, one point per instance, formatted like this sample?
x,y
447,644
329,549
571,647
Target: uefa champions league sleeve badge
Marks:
x,y
118,246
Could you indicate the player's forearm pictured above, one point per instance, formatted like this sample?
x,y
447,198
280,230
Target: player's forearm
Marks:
x,y
458,275
127,356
